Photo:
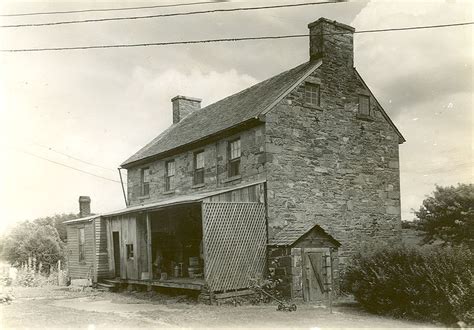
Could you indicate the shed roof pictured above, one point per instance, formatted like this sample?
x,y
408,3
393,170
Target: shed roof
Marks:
x,y
84,219
290,234
224,114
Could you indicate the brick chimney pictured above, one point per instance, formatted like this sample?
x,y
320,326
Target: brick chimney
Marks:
x,y
183,106
84,206
331,41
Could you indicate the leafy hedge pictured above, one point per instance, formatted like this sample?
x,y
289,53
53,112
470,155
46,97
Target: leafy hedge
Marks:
x,y
431,284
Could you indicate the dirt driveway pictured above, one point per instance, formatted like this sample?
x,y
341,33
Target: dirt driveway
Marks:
x,y
61,308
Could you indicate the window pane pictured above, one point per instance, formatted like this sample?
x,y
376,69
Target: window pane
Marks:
x,y
311,94
199,160
146,175
235,149
364,105
170,169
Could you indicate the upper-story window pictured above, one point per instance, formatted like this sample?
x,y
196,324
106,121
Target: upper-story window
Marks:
x,y
234,157
169,175
82,249
364,105
145,181
199,167
311,94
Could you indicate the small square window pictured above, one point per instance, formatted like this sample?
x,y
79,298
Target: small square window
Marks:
x,y
311,94
199,167
129,251
145,181
364,105
234,157
169,175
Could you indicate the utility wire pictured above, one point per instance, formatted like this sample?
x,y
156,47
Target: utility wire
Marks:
x,y
64,165
75,158
199,12
107,9
204,41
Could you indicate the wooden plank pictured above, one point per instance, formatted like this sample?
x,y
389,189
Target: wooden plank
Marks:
x,y
94,257
149,253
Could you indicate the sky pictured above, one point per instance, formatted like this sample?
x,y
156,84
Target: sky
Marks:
x,y
92,109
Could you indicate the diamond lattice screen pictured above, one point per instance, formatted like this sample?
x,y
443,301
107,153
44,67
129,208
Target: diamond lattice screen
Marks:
x,y
234,244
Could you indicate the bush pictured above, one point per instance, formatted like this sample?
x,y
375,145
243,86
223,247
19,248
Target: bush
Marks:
x,y
430,284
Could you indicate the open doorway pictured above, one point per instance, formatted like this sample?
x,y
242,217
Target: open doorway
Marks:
x,y
116,244
176,234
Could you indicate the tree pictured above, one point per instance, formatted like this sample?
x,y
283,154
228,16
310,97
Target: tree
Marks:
x,y
58,221
448,215
36,239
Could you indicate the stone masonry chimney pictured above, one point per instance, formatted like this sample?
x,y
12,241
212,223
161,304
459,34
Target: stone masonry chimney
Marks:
x,y
331,41
183,106
84,206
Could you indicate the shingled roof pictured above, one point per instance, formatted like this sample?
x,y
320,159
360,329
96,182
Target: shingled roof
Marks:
x,y
292,233
224,114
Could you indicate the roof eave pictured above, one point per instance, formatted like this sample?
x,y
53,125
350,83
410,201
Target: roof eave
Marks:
x,y
240,126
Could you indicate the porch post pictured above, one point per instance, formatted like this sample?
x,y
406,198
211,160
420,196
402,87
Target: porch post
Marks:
x,y
149,253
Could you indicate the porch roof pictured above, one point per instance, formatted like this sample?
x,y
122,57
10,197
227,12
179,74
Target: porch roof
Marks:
x,y
178,200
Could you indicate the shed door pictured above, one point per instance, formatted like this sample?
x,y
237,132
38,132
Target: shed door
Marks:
x,y
234,240
314,276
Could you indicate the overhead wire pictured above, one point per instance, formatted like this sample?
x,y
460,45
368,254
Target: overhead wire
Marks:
x,y
64,165
236,39
74,158
198,12
108,9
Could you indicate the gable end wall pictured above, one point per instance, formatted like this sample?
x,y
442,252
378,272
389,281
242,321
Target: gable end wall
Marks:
x,y
328,167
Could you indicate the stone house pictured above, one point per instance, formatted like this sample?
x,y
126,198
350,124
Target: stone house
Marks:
x,y
289,176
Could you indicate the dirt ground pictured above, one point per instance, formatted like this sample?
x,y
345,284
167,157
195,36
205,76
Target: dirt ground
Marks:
x,y
54,307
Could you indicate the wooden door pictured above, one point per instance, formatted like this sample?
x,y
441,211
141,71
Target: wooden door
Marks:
x,y
314,279
116,242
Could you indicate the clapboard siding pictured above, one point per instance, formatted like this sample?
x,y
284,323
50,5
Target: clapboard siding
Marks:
x,y
82,269
102,263
95,264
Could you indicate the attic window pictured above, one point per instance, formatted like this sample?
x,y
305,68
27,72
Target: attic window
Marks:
x,y
145,181
199,167
311,94
169,175
234,157
364,106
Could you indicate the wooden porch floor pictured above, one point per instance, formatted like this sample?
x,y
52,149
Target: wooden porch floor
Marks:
x,y
176,283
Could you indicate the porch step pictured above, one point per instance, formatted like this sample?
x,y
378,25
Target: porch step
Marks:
x,y
107,284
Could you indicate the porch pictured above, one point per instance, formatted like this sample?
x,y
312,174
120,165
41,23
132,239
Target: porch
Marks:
x,y
211,242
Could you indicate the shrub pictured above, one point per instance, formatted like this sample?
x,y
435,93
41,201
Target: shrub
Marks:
x,y
430,283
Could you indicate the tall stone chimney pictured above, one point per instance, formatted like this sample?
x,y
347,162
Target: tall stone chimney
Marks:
x,y
332,42
183,106
84,206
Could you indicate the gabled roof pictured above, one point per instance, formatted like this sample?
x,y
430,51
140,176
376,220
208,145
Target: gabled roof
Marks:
x,y
293,232
230,112
401,139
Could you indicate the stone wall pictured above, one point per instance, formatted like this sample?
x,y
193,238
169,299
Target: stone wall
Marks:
x,y
328,166
215,173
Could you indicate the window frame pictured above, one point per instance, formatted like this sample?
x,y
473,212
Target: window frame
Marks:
x,y
169,179
198,172
309,99
359,110
145,185
234,162
81,240
130,251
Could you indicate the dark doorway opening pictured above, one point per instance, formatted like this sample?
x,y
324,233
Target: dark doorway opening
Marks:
x,y
116,240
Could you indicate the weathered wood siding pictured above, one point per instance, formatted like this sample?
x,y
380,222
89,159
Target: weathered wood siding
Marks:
x,y
253,193
83,269
102,267
127,228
